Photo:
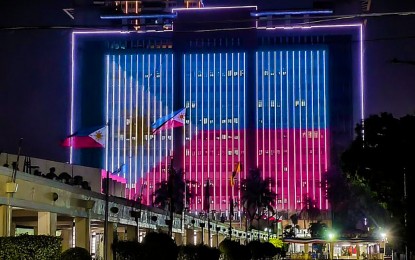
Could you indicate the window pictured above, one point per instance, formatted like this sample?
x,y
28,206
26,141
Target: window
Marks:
x,y
187,152
259,152
230,152
266,73
229,73
223,121
303,103
235,120
241,73
211,74
259,103
205,120
236,152
193,104
187,121
272,103
297,103
285,169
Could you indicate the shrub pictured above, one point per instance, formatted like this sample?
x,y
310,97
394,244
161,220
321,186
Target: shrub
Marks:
x,y
232,250
128,250
76,253
30,247
159,246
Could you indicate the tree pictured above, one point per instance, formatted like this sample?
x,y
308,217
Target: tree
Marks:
x,y
317,229
177,190
310,211
257,195
383,159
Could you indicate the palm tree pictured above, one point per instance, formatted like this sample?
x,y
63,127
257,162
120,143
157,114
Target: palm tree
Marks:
x,y
257,195
174,188
310,211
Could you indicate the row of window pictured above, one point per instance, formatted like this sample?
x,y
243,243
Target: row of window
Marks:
x,y
205,152
234,120
272,152
278,104
228,73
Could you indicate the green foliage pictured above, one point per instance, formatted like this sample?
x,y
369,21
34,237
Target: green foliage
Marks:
x,y
318,229
76,253
378,164
30,247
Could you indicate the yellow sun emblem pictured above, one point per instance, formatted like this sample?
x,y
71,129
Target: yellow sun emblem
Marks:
x,y
99,135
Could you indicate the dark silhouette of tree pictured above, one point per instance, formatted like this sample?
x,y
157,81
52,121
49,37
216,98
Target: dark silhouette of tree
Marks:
x,y
383,159
310,210
318,229
257,195
177,189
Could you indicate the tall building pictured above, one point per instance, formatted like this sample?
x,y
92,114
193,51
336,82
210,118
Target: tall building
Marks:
x,y
262,89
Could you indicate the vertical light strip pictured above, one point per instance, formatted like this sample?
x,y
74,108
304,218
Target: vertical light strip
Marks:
x,y
232,148
226,130
244,113
220,135
263,115
300,129
307,101
312,130
113,115
172,89
161,159
269,118
125,116
185,124
191,121
119,115
136,157
146,58
317,71
153,92
130,152
257,111
238,125
288,134
217,207
107,71
275,130
294,129
325,116
197,176
362,75
73,94
201,170
207,128
281,134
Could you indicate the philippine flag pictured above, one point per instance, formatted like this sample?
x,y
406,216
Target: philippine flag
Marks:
x,y
87,138
175,119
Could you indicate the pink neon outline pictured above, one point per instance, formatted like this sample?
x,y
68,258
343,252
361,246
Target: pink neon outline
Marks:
x,y
212,8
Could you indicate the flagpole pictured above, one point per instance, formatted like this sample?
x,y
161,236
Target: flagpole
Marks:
x,y
107,185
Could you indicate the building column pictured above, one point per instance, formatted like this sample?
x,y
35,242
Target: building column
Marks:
x,y
66,235
82,233
206,238
111,230
178,237
189,236
3,220
199,237
131,233
331,247
46,223
357,251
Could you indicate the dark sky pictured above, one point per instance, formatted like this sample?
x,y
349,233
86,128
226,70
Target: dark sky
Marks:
x,y
35,65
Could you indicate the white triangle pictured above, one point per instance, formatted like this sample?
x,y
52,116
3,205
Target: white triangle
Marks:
x,y
100,135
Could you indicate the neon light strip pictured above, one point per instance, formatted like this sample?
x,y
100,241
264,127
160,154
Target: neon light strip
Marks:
x,y
282,137
362,74
185,124
113,114
288,134
220,134
325,117
275,126
282,13
289,127
300,98
226,166
257,110
212,8
138,16
319,122
107,69
130,155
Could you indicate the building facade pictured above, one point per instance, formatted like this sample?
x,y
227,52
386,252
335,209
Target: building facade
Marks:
x,y
281,98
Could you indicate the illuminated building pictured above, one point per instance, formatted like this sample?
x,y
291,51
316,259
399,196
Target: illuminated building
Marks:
x,y
281,98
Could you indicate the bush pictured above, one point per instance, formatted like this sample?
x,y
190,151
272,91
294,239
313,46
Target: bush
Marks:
x,y
30,247
159,246
128,250
199,252
76,253
232,250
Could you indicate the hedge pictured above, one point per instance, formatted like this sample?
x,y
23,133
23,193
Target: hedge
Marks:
x,y
30,247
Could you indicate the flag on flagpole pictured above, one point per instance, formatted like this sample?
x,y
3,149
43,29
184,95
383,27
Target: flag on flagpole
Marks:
x,y
235,171
175,119
87,138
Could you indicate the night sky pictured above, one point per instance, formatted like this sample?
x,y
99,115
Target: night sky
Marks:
x,y
35,66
